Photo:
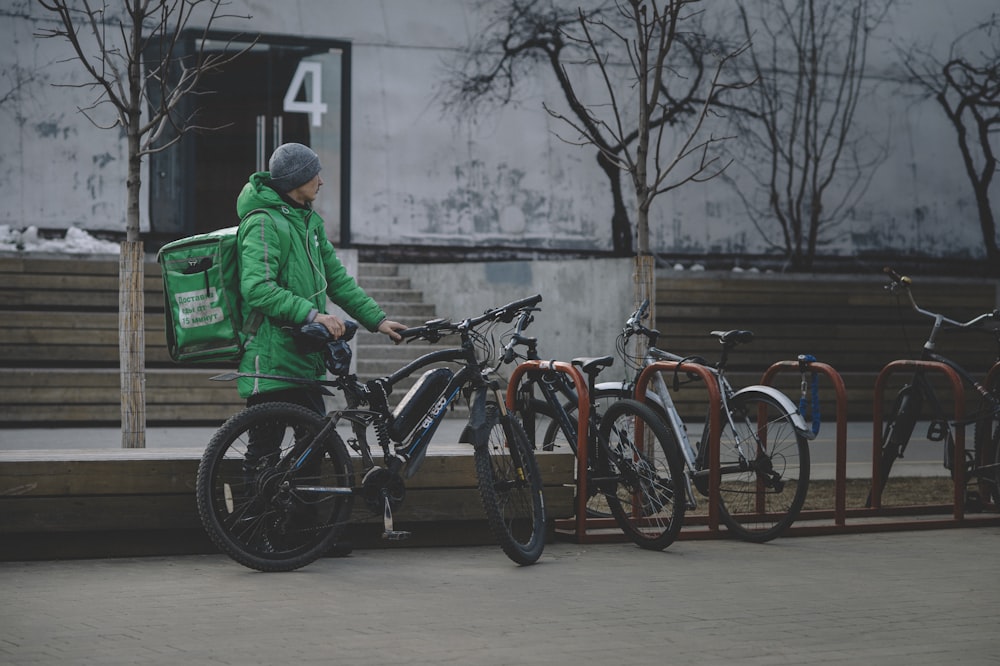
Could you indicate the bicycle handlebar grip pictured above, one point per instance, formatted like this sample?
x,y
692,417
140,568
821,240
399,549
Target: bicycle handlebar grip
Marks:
x,y
414,332
643,309
506,313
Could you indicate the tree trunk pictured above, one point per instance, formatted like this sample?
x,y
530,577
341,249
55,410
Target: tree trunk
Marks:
x,y
621,228
644,286
132,344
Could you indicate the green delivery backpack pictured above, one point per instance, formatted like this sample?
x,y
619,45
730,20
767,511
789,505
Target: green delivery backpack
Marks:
x,y
206,319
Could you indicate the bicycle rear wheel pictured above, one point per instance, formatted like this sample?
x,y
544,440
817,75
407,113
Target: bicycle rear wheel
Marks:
x,y
640,474
510,487
263,508
764,462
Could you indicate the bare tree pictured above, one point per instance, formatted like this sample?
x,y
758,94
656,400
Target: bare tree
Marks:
x,y
525,36
655,81
136,67
967,86
810,59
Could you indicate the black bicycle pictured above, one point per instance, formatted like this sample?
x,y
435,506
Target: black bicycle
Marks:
x,y
635,472
276,484
917,400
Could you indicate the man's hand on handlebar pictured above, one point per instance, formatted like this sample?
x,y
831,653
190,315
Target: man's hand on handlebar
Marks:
x,y
392,328
331,323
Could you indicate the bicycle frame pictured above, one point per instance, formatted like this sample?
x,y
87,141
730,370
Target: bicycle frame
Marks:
x,y
375,393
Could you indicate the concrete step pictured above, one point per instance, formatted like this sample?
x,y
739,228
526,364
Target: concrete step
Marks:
x,y
390,295
384,282
407,312
366,270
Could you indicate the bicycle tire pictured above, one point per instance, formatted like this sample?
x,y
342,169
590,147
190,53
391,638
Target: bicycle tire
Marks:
x,y
760,497
510,488
896,433
253,509
640,473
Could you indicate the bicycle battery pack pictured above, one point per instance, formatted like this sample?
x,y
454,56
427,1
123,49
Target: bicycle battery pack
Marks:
x,y
418,402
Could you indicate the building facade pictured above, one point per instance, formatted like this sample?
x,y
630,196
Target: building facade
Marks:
x,y
360,81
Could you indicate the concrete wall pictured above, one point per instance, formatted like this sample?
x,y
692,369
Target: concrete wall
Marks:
x,y
584,302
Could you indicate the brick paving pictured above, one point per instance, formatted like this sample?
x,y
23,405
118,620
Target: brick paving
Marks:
x,y
906,598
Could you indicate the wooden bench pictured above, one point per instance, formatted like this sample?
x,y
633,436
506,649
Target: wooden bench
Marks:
x,y
64,503
848,322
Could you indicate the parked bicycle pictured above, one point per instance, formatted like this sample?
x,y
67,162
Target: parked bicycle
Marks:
x,y
918,401
284,509
764,452
634,469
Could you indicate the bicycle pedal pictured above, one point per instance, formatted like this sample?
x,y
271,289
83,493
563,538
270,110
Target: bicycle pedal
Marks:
x,y
396,535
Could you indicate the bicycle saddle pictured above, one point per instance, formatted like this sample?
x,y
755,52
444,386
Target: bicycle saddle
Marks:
x,y
733,338
593,364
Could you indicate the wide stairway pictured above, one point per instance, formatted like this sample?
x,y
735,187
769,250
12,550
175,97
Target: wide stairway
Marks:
x,y
59,344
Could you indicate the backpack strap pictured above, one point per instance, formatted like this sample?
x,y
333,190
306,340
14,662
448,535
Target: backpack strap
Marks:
x,y
253,319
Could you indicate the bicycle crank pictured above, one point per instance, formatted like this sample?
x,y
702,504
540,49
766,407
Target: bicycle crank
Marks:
x,y
384,490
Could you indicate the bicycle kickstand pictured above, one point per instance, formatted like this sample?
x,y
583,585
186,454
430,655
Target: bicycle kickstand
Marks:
x,y
391,534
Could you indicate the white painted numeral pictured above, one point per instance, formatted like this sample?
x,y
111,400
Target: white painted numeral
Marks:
x,y
315,107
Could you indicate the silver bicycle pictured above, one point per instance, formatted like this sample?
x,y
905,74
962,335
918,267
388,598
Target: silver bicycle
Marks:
x,y
763,440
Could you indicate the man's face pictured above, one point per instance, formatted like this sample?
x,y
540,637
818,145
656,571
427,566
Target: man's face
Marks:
x,y
308,192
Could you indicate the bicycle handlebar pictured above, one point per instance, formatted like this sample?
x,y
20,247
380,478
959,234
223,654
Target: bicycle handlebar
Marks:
x,y
903,282
433,330
634,326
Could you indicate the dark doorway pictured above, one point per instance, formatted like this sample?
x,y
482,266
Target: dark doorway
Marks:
x,y
195,182
246,102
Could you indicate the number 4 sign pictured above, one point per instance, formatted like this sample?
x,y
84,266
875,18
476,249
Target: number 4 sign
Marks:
x,y
314,92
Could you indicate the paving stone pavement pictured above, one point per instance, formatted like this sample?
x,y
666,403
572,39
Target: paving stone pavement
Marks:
x,y
903,598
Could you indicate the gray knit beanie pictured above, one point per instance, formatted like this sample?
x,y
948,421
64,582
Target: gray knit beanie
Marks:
x,y
291,166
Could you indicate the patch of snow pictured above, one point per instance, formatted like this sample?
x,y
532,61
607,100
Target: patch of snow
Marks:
x,y
76,241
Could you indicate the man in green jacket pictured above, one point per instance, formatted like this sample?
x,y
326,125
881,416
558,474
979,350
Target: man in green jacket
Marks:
x,y
288,268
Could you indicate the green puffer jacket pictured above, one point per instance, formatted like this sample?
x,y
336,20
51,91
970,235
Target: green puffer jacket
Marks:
x,y
287,288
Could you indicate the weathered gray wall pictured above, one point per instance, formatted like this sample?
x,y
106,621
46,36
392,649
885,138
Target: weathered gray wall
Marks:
x,y
584,302
423,178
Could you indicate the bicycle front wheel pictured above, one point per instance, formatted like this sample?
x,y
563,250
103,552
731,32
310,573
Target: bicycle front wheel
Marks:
x,y
764,463
640,473
510,487
266,507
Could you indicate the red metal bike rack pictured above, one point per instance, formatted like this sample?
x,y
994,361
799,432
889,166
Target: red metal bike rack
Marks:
x,y
578,523
840,473
958,460
714,427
